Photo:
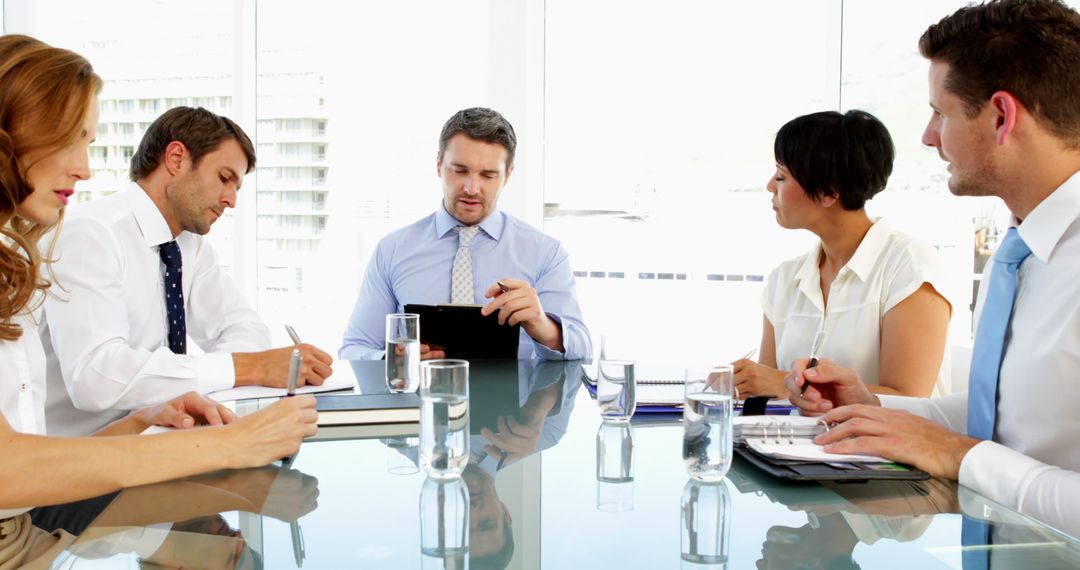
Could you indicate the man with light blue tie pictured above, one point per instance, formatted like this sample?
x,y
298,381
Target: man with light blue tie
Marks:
x,y
468,252
1011,129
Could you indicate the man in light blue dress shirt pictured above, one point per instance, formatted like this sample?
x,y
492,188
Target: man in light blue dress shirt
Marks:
x,y
415,264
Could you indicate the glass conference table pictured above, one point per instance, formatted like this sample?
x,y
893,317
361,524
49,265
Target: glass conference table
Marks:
x,y
355,503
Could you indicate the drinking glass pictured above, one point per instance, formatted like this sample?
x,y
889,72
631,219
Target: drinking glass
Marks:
x,y
444,524
402,455
616,390
707,412
444,417
706,524
402,352
615,467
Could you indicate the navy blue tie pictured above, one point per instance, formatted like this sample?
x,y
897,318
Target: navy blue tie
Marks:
x,y
174,296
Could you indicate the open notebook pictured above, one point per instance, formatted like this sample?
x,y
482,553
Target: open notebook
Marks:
x,y
783,447
790,438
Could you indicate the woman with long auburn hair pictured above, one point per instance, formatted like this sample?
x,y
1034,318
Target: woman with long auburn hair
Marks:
x,y
48,118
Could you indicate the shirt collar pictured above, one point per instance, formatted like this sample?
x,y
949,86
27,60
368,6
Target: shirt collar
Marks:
x,y
152,224
1044,227
861,263
870,249
492,225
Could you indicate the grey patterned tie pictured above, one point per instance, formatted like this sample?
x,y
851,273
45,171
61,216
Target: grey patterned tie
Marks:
x,y
461,278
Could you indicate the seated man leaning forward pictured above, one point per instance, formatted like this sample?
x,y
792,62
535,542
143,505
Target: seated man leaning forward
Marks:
x,y
1011,131
135,278
461,252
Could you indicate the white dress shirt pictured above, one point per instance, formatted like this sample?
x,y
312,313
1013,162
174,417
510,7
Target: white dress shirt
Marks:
x,y
887,267
106,330
1033,464
22,384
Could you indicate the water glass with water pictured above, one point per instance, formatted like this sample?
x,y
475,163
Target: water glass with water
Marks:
x,y
444,524
707,431
444,417
402,352
615,467
616,390
705,524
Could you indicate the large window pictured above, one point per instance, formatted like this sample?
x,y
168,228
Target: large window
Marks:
x,y
659,145
646,133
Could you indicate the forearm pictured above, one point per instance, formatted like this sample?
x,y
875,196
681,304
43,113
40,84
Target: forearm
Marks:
x,y
69,469
170,502
1019,482
885,390
118,376
131,424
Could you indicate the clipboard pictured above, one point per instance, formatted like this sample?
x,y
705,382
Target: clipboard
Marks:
x,y
462,332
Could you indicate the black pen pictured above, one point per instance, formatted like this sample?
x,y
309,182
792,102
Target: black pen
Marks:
x,y
502,286
819,340
502,459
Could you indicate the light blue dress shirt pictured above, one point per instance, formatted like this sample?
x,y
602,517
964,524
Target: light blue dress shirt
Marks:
x,y
413,265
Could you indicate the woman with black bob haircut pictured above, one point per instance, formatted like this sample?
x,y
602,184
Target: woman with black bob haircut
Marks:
x,y
875,292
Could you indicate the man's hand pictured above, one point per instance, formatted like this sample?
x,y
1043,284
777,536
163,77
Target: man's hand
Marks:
x,y
521,304
515,439
753,379
186,411
831,386
428,352
271,367
896,435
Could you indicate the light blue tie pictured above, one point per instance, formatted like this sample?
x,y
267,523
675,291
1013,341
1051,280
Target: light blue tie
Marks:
x,y
990,337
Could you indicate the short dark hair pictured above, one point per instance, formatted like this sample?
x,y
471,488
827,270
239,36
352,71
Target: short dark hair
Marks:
x,y
848,155
1029,48
482,124
501,558
201,131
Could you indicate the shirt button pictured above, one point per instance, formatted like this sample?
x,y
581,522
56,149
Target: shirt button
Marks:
x,y
24,387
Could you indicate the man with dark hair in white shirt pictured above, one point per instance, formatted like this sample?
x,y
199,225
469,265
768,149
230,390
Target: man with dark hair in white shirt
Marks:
x,y
1009,129
135,278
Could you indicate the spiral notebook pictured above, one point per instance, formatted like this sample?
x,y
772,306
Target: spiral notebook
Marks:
x,y
659,385
784,447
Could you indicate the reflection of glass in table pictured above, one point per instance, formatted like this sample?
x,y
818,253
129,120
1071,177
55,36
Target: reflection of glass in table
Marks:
x,y
539,509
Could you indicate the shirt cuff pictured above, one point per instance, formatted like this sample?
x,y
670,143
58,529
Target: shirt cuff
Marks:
x,y
905,403
545,353
360,352
215,372
999,473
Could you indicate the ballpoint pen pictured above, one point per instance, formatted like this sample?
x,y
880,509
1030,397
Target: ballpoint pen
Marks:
x,y
292,334
502,459
819,340
297,543
294,372
502,286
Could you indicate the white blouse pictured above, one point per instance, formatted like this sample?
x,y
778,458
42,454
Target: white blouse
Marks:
x,y
886,268
22,384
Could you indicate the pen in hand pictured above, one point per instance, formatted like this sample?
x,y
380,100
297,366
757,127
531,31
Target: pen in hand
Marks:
x,y
292,334
294,372
502,286
815,350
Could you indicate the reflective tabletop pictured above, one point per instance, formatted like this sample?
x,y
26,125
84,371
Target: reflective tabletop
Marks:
x,y
548,485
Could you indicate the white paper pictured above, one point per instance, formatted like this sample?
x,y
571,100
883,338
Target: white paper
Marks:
x,y
341,381
806,450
